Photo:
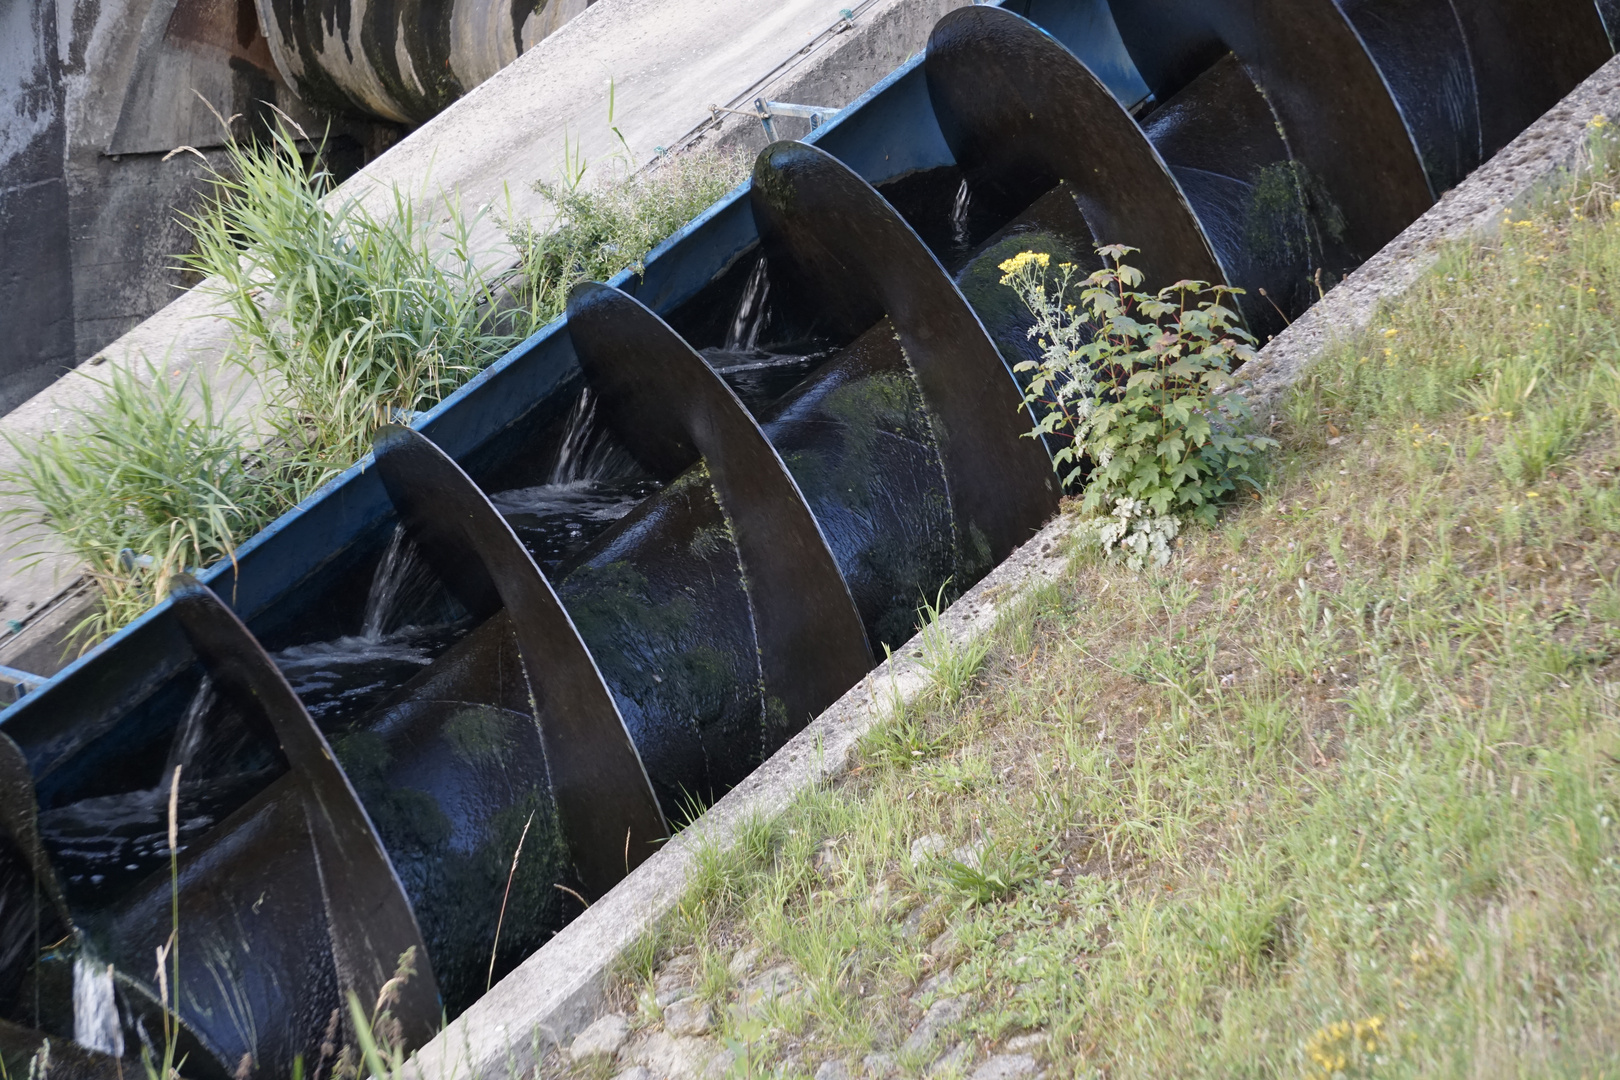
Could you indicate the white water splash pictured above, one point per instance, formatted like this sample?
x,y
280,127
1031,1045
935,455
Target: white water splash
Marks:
x,y
587,453
959,214
190,733
394,577
95,1013
752,313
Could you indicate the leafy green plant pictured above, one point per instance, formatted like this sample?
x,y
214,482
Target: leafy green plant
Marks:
x,y
152,480
601,231
357,317
1136,387
990,876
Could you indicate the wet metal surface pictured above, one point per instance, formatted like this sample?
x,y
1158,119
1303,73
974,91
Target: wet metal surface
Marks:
x,y
609,815
369,922
670,408
623,584
864,262
1021,113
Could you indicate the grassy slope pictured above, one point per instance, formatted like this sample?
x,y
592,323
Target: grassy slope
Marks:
x,y
1335,792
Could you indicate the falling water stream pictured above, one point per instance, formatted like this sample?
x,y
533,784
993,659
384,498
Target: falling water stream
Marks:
x,y
95,1013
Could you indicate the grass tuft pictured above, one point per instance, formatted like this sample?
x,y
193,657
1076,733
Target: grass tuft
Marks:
x,y
355,318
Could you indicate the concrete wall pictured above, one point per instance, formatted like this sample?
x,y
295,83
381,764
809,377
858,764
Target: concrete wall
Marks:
x,y
94,94
36,276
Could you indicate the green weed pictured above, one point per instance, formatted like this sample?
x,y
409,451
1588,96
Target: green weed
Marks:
x,y
601,231
153,480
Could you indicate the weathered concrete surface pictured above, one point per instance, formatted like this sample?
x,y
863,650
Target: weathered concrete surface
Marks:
x,y
668,61
560,990
93,95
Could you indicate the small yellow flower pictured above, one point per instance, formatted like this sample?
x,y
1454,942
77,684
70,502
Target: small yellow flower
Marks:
x,y
1392,331
1598,122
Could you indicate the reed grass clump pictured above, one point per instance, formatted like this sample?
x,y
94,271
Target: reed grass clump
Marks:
x,y
356,317
349,318
154,479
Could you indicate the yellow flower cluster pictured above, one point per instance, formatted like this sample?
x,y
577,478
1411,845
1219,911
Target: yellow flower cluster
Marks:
x,y
1023,259
1330,1050
1022,262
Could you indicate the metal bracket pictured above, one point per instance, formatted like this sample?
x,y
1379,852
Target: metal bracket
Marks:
x,y
15,683
767,111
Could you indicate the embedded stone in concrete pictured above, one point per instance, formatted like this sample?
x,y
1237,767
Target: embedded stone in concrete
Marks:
x,y
688,1016
1026,1043
743,961
931,846
940,1015
671,1057
719,1066
1007,1067
878,1065
933,984
600,1041
832,1069
778,984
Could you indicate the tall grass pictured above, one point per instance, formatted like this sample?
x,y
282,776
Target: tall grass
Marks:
x,y
153,479
356,317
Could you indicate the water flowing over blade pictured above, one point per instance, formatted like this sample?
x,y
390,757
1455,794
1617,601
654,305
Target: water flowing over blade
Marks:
x,y
1528,54
1337,113
863,261
1020,113
610,816
669,408
369,920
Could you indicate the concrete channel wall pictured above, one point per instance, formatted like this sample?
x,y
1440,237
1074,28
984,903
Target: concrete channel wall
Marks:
x,y
563,987
668,61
